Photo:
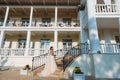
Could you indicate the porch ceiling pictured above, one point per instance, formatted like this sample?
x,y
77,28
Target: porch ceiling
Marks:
x,y
39,2
14,33
111,23
19,12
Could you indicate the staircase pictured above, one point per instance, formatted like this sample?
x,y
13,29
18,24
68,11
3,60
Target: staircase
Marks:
x,y
57,75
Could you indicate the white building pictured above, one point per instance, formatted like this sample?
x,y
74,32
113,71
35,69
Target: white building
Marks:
x,y
29,27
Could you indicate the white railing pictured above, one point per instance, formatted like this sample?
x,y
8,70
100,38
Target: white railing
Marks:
x,y
110,48
22,52
103,8
12,52
73,23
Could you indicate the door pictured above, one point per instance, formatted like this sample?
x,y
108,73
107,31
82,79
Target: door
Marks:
x,y
45,44
67,43
22,43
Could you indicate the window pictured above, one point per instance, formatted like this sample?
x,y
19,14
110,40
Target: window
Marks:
x,y
44,43
1,21
25,21
67,43
67,22
46,21
117,39
22,43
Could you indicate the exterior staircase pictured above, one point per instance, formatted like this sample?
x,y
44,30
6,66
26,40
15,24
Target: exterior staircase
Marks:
x,y
32,75
57,75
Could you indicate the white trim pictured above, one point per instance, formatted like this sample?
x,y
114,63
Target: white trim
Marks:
x,y
6,16
56,13
31,15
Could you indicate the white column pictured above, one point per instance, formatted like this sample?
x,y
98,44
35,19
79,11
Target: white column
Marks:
x,y
92,27
119,24
28,42
31,15
56,40
56,12
6,16
83,32
2,36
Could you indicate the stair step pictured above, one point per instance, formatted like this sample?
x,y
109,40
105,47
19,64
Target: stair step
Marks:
x,y
50,78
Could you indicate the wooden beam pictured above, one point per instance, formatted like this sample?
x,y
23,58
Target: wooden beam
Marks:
x,y
44,2
19,2
24,10
6,1
35,10
31,2
56,2
13,10
68,2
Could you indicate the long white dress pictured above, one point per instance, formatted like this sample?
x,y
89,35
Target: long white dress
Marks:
x,y
50,66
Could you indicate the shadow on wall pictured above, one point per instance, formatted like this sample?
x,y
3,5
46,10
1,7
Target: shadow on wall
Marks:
x,y
93,34
107,65
97,65
83,62
2,62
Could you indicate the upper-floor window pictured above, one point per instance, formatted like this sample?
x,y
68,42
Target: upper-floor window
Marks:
x,y
1,21
44,43
67,43
117,39
46,21
67,22
25,21
22,43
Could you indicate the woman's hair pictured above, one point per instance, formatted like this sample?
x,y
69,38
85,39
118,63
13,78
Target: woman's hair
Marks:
x,y
51,50
51,47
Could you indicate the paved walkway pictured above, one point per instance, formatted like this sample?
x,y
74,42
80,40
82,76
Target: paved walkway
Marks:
x,y
15,74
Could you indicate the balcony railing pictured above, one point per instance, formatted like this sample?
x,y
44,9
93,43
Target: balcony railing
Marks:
x,y
73,23
103,9
39,23
22,52
74,52
110,48
12,52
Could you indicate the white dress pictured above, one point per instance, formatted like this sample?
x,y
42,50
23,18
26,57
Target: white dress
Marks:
x,y
50,66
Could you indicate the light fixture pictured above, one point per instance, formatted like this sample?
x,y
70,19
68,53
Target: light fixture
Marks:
x,y
44,34
68,36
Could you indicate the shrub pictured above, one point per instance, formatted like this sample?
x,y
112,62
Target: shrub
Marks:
x,y
27,67
77,70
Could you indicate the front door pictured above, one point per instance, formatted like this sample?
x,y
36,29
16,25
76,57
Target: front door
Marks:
x,y
22,43
67,43
45,44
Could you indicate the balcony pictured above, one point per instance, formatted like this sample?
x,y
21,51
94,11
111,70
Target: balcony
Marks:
x,y
110,48
107,10
39,23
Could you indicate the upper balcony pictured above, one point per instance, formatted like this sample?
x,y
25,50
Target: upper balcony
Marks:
x,y
107,10
42,22
39,17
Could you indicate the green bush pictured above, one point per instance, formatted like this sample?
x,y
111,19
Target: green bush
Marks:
x,y
77,70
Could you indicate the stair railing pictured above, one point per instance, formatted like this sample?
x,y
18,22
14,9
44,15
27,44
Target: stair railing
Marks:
x,y
74,52
38,61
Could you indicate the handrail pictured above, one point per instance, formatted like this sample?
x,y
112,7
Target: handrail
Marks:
x,y
38,61
110,48
74,52
105,8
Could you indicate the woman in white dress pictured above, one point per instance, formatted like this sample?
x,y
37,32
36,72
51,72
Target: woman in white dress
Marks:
x,y
50,65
